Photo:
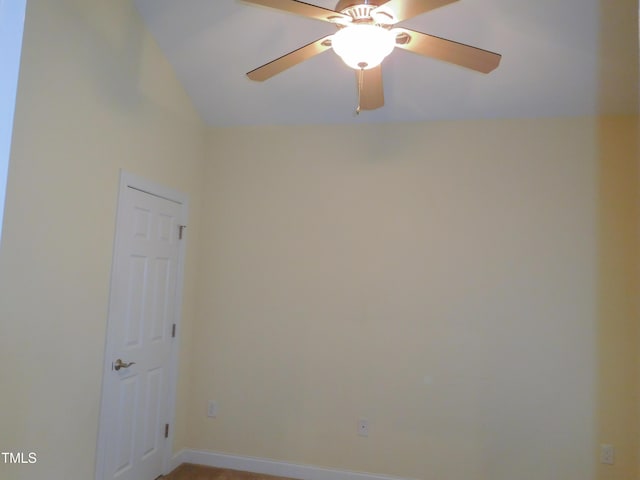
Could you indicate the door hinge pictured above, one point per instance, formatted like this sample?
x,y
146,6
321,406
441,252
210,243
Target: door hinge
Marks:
x,y
166,430
181,231
173,331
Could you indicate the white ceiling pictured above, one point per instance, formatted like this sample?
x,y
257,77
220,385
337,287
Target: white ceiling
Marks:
x,y
555,62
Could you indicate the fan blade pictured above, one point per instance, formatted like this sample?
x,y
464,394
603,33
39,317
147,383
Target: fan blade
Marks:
x,y
406,9
371,89
305,9
281,64
453,52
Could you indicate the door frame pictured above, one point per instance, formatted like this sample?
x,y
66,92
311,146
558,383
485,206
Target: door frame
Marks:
x,y
129,180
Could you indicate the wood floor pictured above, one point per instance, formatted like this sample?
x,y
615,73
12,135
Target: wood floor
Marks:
x,y
188,471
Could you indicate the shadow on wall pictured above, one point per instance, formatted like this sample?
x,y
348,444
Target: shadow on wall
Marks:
x,y
618,235
618,61
617,306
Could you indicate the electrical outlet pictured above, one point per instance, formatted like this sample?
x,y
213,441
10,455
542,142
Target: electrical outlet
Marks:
x,y
212,409
607,454
363,427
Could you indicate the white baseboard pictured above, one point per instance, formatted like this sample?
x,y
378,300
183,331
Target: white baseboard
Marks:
x,y
270,467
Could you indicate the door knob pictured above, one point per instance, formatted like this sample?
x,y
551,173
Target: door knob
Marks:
x,y
118,364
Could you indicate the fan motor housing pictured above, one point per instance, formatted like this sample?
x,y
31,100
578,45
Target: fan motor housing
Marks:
x,y
349,4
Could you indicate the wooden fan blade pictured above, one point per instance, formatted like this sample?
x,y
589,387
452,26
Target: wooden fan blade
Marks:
x,y
371,90
305,9
281,64
406,9
453,52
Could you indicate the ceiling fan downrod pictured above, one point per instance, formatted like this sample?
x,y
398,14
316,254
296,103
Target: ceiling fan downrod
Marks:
x,y
360,85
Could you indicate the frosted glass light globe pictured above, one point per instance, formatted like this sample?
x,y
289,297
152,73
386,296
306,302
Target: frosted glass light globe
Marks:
x,y
363,46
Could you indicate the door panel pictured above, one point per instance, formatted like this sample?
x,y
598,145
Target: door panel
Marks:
x,y
134,311
127,399
151,432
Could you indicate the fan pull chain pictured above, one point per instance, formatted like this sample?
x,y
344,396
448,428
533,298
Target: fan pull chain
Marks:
x,y
360,84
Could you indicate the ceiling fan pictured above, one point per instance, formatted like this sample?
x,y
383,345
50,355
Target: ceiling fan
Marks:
x,y
366,35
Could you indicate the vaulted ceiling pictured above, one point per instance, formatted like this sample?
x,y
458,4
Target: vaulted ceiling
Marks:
x,y
559,58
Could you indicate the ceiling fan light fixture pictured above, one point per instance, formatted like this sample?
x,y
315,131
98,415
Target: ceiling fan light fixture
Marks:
x,y
363,47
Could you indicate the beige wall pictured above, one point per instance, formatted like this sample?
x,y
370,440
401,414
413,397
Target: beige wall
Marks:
x,y
95,96
458,284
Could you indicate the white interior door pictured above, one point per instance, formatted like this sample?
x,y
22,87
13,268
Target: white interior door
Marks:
x,y
139,374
